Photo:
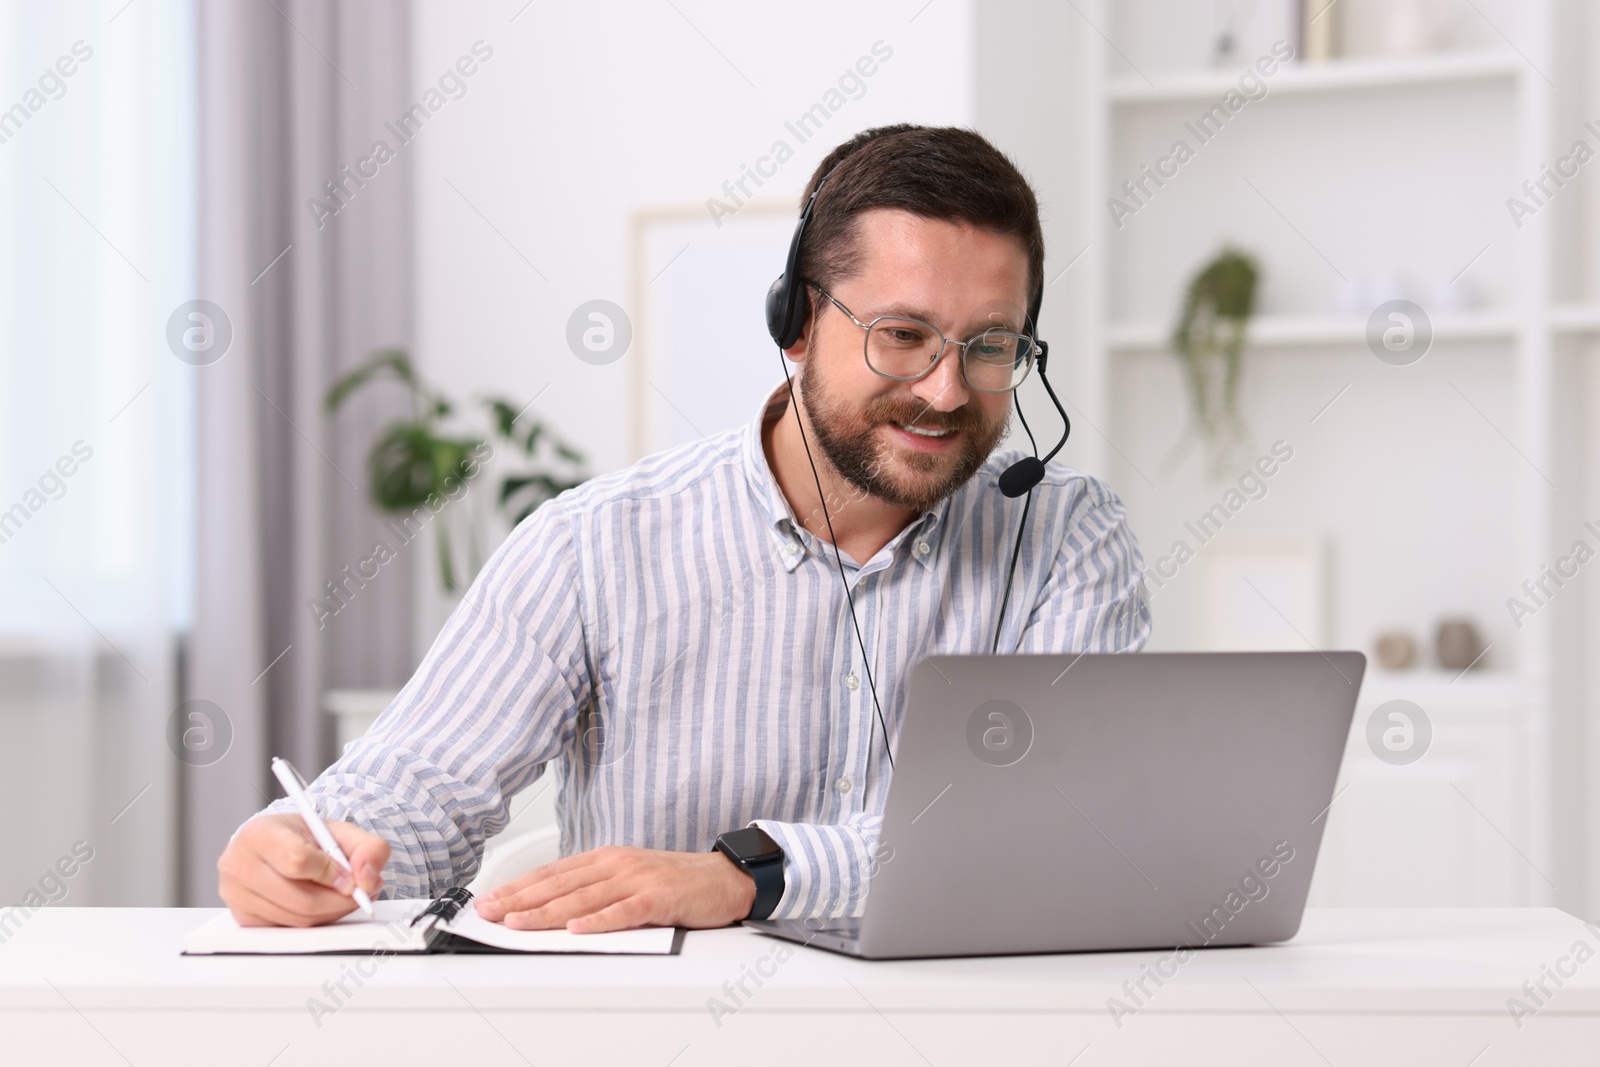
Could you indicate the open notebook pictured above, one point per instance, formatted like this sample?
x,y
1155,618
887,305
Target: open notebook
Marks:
x,y
443,925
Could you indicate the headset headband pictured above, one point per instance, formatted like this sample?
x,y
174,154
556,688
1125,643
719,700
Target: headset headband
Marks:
x,y
786,302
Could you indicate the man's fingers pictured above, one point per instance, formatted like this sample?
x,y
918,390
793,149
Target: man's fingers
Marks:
x,y
286,905
539,874
554,915
368,853
316,902
293,854
273,872
541,892
500,894
625,914
252,909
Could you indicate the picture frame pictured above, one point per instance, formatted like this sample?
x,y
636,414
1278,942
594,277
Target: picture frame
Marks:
x,y
702,360
1263,592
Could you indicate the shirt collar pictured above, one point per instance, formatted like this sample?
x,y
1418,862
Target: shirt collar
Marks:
x,y
784,532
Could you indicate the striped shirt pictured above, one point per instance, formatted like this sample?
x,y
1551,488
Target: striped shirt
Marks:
x,y
677,648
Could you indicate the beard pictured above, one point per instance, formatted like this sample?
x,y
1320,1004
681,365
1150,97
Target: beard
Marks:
x,y
900,477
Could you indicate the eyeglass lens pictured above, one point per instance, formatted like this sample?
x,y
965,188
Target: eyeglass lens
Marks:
x,y
994,361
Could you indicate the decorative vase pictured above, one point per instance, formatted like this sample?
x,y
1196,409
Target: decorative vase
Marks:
x,y
1457,644
1318,31
1410,27
1396,650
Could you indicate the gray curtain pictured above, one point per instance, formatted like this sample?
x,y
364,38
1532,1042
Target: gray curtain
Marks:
x,y
293,95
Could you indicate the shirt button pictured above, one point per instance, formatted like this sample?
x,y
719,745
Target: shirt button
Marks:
x,y
851,681
922,548
790,548
844,785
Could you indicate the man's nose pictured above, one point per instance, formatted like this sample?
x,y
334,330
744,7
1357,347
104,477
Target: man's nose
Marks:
x,y
943,389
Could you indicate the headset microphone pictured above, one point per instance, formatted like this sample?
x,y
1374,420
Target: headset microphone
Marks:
x,y
1022,476
1028,472
786,307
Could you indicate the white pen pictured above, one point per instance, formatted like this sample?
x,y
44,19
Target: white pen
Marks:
x,y
295,786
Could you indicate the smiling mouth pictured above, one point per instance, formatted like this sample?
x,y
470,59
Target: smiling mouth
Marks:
x,y
924,431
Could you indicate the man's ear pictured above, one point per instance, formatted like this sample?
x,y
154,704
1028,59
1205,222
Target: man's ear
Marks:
x,y
798,351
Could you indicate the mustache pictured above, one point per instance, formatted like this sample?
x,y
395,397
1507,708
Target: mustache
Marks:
x,y
888,410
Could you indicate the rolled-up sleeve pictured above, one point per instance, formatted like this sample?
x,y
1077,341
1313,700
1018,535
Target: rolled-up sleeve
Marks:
x,y
495,699
827,867
1093,598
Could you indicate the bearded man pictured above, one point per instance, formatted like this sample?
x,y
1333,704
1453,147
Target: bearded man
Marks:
x,y
717,641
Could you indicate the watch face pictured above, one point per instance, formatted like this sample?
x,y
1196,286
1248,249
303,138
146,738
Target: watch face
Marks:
x,y
752,844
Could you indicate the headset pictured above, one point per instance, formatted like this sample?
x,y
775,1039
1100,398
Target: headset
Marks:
x,y
786,309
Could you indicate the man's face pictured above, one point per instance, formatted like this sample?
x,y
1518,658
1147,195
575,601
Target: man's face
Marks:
x,y
959,278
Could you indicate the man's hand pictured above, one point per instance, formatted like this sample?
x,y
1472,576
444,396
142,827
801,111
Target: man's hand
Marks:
x,y
619,888
273,874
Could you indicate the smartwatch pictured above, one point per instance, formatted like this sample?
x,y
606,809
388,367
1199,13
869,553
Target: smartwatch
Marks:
x,y
755,853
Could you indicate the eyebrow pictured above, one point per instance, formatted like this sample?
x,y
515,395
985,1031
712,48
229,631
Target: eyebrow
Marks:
x,y
905,311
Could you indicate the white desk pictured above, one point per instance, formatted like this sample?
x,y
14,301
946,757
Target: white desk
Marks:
x,y
1358,987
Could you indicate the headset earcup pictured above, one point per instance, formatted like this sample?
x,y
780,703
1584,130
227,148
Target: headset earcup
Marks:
x,y
786,312
778,312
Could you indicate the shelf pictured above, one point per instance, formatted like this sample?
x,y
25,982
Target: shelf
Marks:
x,y
1333,76
21,648
1491,112
1286,331
1437,688
1575,318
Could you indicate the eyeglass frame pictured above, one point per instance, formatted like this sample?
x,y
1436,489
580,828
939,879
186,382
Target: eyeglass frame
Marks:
x,y
1038,354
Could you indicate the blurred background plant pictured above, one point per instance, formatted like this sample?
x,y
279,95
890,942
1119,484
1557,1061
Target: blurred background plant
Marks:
x,y
1209,343
416,459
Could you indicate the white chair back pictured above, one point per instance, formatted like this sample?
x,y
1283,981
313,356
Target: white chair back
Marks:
x,y
506,857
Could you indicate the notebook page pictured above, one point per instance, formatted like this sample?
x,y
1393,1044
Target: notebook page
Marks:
x,y
652,940
391,931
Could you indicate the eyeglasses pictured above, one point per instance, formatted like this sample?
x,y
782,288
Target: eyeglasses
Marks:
x,y
907,350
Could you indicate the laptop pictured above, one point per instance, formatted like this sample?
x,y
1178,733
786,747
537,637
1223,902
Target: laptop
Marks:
x,y
1096,802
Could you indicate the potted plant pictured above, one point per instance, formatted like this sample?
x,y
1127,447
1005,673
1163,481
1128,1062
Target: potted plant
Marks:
x,y
416,459
1209,343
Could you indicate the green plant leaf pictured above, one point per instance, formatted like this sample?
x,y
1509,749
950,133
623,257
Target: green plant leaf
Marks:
x,y
409,463
1211,329
393,360
505,416
512,486
447,570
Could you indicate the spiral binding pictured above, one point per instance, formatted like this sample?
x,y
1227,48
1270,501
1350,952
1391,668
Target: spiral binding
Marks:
x,y
450,902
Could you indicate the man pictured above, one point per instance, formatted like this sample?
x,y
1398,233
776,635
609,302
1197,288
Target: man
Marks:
x,y
675,638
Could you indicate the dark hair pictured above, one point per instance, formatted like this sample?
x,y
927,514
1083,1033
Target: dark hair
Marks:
x,y
938,172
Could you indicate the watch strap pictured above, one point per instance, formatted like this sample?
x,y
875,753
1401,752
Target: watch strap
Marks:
x,y
769,886
767,875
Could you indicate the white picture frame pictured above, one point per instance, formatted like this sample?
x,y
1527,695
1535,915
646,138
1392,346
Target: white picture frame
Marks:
x,y
1263,592
704,360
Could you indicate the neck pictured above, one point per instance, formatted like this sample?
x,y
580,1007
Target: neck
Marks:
x,y
862,524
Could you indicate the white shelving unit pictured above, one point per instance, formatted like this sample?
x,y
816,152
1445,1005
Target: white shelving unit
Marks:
x,y
1290,331
1337,76
1269,332
1470,823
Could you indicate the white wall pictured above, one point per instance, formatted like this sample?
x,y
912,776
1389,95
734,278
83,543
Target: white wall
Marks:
x,y
584,117
586,114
